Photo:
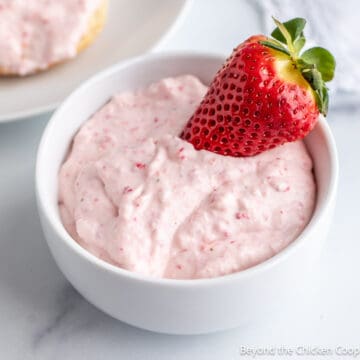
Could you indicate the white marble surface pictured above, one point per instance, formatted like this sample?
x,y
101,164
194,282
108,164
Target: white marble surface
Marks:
x,y
42,316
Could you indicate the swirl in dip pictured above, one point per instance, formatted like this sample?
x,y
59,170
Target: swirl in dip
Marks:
x,y
137,196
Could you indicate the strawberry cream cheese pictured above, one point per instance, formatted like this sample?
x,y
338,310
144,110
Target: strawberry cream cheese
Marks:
x,y
137,196
37,33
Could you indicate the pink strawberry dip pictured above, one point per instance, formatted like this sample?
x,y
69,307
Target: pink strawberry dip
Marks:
x,y
134,194
37,33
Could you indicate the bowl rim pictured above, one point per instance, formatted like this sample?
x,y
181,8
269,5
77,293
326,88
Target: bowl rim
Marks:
x,y
56,224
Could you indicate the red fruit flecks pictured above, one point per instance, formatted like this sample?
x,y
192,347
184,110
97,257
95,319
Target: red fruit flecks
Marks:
x,y
249,107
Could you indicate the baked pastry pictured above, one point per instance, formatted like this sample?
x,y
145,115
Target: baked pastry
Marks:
x,y
38,34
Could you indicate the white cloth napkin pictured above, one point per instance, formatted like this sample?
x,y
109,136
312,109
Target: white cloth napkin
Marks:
x,y
333,24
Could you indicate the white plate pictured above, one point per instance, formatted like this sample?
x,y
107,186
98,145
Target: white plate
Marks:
x,y
133,27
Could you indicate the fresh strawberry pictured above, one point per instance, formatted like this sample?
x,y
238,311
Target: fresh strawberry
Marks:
x,y
266,94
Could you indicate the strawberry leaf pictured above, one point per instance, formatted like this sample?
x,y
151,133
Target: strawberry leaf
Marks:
x,y
322,99
314,77
286,35
299,43
273,44
325,100
322,59
294,27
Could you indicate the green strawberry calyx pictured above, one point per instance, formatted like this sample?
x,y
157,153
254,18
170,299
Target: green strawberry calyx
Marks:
x,y
317,65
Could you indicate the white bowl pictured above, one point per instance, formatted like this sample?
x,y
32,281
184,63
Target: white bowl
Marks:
x,y
164,305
